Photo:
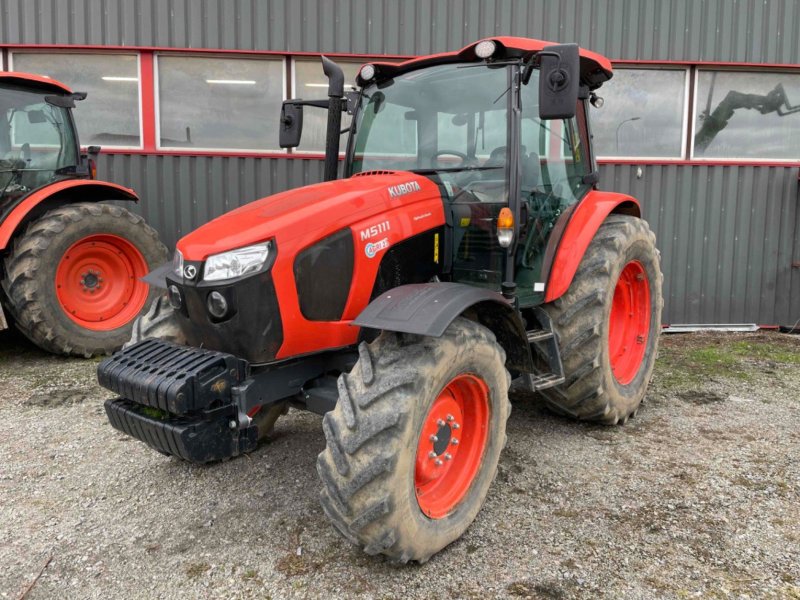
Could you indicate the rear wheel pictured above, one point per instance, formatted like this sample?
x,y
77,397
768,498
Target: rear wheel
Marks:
x,y
414,440
608,324
73,278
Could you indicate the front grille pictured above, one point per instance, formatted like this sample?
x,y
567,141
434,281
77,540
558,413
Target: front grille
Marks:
x,y
173,378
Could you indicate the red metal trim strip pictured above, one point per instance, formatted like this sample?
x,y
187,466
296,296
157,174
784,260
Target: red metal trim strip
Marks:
x,y
148,100
697,163
625,61
318,156
99,48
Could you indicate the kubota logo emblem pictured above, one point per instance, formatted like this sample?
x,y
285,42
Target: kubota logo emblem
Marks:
x,y
403,188
190,272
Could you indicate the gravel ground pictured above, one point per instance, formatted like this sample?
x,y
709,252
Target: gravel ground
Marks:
x,y
697,496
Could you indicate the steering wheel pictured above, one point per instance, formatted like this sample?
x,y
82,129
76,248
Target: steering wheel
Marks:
x,y
460,155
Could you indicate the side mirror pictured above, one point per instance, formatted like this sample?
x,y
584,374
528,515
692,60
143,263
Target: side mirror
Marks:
x,y
291,127
559,80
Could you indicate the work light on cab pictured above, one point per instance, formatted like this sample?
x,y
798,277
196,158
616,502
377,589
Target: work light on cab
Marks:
x,y
229,265
485,49
367,72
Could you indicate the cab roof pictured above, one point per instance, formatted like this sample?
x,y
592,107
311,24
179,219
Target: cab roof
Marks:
x,y
595,68
35,82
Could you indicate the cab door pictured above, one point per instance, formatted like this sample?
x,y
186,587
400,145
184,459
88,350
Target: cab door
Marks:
x,y
553,168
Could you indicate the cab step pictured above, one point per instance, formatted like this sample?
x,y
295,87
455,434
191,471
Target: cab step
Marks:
x,y
539,335
542,382
546,355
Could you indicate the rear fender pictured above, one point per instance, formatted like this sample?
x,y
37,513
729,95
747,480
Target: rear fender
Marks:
x,y
582,226
429,308
54,194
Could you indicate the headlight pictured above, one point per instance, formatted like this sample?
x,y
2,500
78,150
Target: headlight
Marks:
x,y
236,263
177,263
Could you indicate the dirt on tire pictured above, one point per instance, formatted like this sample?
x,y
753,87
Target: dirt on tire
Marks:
x,y
581,321
367,469
30,283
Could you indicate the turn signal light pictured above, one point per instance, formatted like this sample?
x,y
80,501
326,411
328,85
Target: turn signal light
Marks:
x,y
505,227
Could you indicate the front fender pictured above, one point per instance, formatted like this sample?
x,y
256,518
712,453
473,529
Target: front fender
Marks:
x,y
583,224
62,192
429,308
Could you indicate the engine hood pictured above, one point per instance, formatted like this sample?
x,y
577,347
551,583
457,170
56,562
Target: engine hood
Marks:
x,y
312,212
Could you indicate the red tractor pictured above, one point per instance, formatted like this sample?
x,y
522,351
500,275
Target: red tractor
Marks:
x,y
72,265
465,246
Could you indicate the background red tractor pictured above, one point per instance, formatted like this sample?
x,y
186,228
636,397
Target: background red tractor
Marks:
x,y
467,245
72,264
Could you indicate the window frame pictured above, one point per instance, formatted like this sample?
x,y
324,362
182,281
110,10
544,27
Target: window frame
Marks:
x,y
735,160
98,52
212,150
293,58
685,117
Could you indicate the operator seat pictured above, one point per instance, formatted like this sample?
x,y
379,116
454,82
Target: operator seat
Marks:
x,y
531,171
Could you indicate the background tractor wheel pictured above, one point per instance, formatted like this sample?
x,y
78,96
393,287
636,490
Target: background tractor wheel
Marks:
x,y
608,324
73,277
158,322
414,440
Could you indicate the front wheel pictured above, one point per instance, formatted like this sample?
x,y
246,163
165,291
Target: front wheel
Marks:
x,y
608,323
73,278
414,441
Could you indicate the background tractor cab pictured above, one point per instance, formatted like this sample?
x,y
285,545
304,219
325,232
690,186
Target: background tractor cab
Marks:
x,y
82,258
465,245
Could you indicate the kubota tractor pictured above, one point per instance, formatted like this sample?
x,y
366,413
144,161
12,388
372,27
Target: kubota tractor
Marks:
x,y
465,246
72,265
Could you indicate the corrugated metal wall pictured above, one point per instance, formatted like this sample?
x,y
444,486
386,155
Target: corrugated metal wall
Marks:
x,y
723,30
728,235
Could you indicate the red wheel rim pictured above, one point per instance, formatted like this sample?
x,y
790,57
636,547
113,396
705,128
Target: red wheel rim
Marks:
x,y
98,282
451,445
629,322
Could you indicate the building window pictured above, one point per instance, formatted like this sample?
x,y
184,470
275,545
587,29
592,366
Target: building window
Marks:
x,y
747,115
207,103
644,114
310,83
110,114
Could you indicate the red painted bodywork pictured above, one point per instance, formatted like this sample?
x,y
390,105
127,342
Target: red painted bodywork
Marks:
x,y
37,82
590,61
299,218
589,214
70,190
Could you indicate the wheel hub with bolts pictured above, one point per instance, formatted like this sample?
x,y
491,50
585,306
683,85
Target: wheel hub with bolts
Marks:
x,y
451,445
98,282
91,281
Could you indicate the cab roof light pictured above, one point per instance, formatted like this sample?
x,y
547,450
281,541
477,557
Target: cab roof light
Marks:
x,y
485,49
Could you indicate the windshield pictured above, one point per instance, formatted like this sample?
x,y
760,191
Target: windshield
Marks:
x,y
37,141
449,119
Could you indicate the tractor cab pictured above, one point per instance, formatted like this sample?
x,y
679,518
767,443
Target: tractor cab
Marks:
x,y
501,127
38,141
487,148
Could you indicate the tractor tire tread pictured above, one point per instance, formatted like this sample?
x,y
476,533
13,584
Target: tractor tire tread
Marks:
x,y
578,317
22,287
364,437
